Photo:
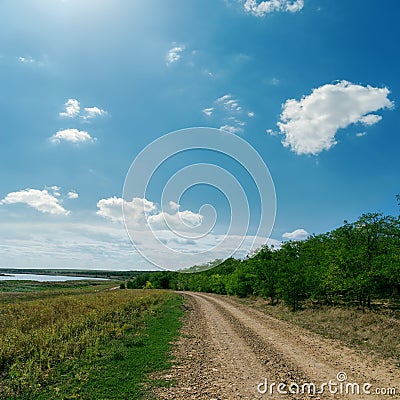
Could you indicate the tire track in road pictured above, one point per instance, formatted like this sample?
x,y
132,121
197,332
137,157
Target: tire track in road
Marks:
x,y
318,357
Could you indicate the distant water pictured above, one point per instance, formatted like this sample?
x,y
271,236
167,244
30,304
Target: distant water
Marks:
x,y
45,278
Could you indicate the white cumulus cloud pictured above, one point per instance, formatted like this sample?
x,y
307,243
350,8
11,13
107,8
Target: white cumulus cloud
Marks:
x,y
140,212
370,119
297,234
40,200
72,195
174,54
135,210
72,108
92,112
174,206
110,208
165,221
262,8
309,125
71,135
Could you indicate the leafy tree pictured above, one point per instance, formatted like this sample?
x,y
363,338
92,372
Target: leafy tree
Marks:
x,y
291,284
240,282
265,269
217,284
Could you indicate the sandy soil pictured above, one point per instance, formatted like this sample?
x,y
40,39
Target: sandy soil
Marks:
x,y
228,349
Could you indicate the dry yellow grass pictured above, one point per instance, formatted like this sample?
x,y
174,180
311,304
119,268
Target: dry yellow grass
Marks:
x,y
38,334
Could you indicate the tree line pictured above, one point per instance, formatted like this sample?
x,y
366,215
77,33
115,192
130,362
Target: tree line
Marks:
x,y
358,262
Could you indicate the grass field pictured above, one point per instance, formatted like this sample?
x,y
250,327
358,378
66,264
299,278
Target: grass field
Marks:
x,y
84,342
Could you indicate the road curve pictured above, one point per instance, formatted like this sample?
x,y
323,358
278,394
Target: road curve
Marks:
x,y
229,351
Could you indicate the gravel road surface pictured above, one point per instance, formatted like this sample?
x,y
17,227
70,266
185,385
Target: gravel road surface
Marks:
x,y
229,351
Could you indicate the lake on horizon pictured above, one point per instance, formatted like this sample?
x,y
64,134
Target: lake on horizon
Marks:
x,y
45,278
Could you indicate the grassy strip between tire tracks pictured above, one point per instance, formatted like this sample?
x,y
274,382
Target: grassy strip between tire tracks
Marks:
x,y
98,346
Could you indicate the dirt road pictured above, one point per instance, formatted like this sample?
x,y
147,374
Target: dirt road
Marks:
x,y
230,351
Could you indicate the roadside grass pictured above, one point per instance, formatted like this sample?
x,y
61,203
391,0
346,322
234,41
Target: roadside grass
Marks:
x,y
375,332
98,345
35,286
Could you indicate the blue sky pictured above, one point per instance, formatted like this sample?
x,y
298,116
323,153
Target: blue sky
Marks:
x,y
312,86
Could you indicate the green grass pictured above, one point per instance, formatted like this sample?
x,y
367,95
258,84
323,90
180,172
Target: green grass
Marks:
x,y
122,365
20,291
34,286
85,343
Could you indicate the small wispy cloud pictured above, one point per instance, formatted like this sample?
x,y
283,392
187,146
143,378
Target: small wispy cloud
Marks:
x,y
30,61
27,60
174,54
72,195
231,128
230,103
208,111
208,73
274,81
297,234
262,8
230,112
54,189
272,132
